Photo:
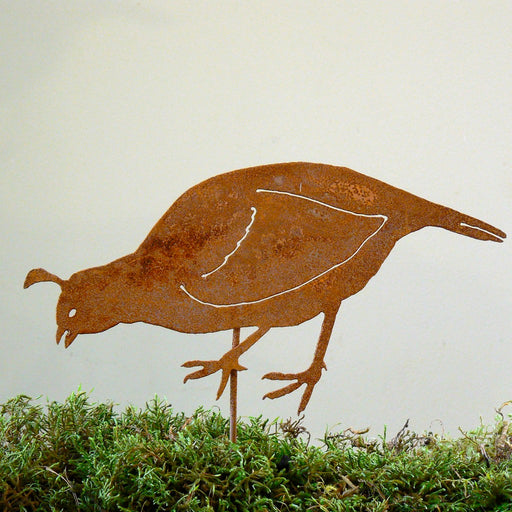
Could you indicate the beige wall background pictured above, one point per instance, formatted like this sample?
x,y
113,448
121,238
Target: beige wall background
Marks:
x,y
111,109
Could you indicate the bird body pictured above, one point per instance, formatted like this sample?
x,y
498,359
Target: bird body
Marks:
x,y
265,247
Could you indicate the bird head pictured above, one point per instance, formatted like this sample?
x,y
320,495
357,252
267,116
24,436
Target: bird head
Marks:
x,y
82,307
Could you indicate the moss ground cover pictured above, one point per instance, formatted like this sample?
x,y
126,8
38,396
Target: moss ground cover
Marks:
x,y
83,456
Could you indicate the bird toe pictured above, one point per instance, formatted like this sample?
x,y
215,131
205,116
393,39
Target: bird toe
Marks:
x,y
209,367
279,376
283,391
190,364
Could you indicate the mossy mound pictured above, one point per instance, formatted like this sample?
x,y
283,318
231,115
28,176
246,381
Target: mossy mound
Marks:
x,y
85,456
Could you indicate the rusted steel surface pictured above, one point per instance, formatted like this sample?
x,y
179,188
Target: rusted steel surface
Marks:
x,y
265,247
233,390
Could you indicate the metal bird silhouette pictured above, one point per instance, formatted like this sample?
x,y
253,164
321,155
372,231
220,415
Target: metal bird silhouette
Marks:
x,y
263,247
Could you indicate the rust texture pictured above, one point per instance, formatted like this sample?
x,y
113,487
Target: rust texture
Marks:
x,y
233,390
264,247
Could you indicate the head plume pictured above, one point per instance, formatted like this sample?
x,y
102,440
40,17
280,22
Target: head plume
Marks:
x,y
39,275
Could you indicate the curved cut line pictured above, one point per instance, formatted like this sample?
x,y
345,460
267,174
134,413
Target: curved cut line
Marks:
x,y
226,258
318,276
291,194
464,225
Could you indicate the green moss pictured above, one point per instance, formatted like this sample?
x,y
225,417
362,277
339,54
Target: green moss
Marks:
x,y
85,456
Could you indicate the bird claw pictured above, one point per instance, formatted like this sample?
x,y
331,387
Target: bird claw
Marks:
x,y
226,364
309,377
209,367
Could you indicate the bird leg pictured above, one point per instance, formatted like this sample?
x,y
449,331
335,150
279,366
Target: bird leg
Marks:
x,y
227,363
312,375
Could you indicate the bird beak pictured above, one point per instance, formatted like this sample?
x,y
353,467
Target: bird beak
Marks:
x,y
70,337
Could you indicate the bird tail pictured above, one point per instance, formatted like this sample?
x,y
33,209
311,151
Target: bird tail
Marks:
x,y
469,226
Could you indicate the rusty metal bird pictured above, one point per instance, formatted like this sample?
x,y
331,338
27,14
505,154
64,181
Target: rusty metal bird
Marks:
x,y
263,247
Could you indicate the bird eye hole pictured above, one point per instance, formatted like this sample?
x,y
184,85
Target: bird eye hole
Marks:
x,y
72,313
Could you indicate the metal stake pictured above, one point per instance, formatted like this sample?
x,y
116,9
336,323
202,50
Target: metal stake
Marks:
x,y
233,381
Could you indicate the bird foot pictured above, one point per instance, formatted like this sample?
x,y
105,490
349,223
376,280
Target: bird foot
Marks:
x,y
227,363
309,377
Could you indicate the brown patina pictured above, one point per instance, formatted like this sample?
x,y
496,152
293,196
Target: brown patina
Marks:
x,y
264,247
